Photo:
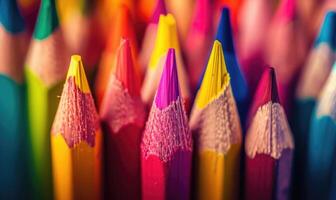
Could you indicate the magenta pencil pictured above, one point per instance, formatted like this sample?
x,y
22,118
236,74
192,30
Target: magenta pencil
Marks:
x,y
166,147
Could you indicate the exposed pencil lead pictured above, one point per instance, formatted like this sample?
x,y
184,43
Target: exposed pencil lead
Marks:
x,y
47,20
168,89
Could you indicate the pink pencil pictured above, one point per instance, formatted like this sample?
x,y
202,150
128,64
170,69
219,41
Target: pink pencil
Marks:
x,y
199,40
166,147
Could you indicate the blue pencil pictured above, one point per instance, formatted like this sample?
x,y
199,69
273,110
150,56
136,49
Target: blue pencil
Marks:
x,y
238,82
322,144
313,77
12,112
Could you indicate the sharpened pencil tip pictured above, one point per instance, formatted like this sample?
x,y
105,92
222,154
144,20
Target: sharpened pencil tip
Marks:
x,y
268,90
10,16
76,70
166,38
328,30
125,71
47,20
216,77
224,31
168,90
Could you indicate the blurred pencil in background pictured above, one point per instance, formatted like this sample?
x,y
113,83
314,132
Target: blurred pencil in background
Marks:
x,y
313,76
253,22
150,33
217,132
321,144
123,116
76,139
238,82
269,144
167,144
286,50
166,38
198,42
123,27
81,32
45,72
13,46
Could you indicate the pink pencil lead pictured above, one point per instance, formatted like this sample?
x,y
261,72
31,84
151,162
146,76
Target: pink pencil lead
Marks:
x,y
168,89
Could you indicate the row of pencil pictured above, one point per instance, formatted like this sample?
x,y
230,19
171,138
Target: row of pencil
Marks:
x,y
169,121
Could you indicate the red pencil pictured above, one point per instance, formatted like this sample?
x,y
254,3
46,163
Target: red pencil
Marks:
x,y
123,27
166,145
123,115
269,144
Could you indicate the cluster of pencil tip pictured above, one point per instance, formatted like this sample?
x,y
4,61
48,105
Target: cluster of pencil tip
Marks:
x,y
168,99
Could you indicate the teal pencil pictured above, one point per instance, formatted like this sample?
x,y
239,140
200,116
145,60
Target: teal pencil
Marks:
x,y
313,77
322,144
13,40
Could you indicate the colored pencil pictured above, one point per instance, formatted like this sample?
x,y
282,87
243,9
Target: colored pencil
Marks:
x,y
123,116
318,65
150,33
310,83
81,33
252,40
216,126
13,46
199,39
286,50
123,27
182,11
239,85
269,144
45,71
76,139
321,143
166,146
166,38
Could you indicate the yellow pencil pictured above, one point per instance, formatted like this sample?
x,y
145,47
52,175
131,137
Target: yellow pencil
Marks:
x,y
76,140
215,122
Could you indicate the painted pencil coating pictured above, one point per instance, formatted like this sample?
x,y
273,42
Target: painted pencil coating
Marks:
x,y
218,134
321,144
45,72
166,38
269,144
13,43
123,118
166,144
76,140
238,82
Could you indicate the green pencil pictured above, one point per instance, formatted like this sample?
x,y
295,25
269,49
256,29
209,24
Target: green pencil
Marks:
x,y
45,73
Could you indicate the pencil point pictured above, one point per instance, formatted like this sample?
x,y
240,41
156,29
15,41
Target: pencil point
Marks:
x,y
160,9
166,38
125,71
224,31
76,70
168,89
267,89
216,77
10,16
47,20
328,31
